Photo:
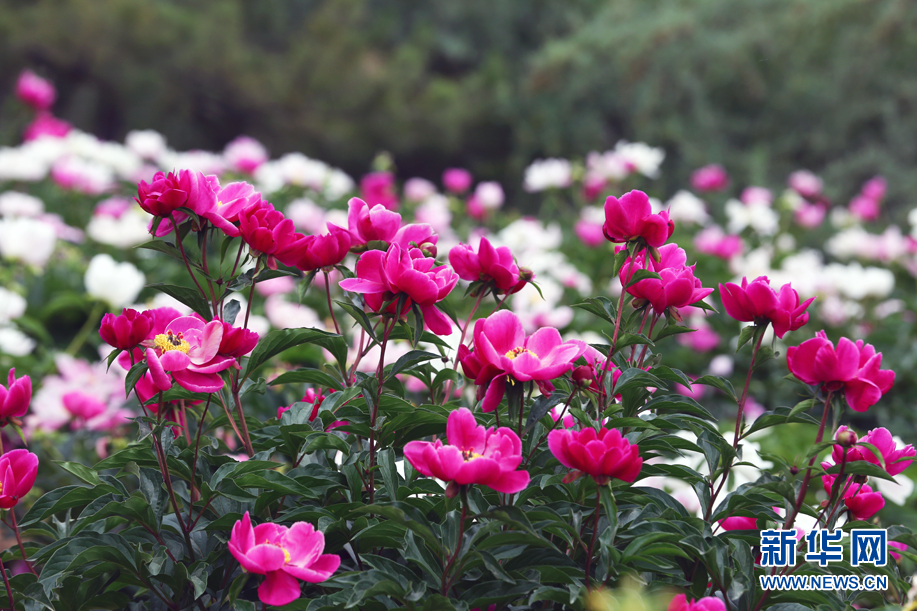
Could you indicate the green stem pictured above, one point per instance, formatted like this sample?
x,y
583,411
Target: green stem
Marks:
x,y
83,334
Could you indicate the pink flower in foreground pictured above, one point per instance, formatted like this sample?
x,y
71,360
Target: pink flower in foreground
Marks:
x,y
313,252
502,351
378,189
675,288
284,555
385,276
488,265
852,368
126,330
266,230
35,91
739,523
602,454
371,223
631,217
236,341
708,603
457,180
230,201
475,455
245,154
168,192
18,469
189,350
46,124
710,178
757,302
859,498
893,459
15,396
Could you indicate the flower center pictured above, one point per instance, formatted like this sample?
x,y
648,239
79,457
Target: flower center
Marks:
x,y
168,341
286,554
470,455
517,351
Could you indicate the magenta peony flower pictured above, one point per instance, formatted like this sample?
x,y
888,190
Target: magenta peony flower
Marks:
x,y
313,252
805,183
852,367
417,235
710,178
127,330
475,455
236,342
708,603
371,223
189,350
893,459
703,339
18,469
457,180
168,192
589,233
266,231
15,397
384,276
230,201
313,396
46,125
245,154
677,287
35,91
378,189
491,265
757,195
809,215
714,241
283,555
739,523
501,351
758,302
631,218
859,498
83,405
602,454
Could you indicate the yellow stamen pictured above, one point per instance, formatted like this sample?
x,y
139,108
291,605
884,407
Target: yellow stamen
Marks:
x,y
168,341
286,554
470,455
517,351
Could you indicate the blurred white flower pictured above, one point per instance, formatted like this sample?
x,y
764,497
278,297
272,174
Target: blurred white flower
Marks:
x,y
284,314
12,305
14,203
721,365
490,194
609,165
129,229
418,189
245,154
14,342
29,240
685,207
435,212
643,157
147,143
759,216
338,185
306,215
545,174
117,284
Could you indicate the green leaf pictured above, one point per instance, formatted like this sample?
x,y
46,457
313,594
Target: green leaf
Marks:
x,y
188,296
133,376
279,340
642,274
360,316
83,472
409,360
745,336
236,469
307,375
163,247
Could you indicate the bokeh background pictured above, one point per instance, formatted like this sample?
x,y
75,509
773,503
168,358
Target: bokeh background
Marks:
x,y
762,87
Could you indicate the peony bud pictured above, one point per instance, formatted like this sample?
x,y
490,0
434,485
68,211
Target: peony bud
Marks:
x,y
583,376
847,438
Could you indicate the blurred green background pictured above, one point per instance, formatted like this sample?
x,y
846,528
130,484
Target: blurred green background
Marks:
x,y
763,87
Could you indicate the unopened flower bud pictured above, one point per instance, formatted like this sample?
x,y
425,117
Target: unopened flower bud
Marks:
x,y
847,438
859,479
428,250
583,376
794,470
452,490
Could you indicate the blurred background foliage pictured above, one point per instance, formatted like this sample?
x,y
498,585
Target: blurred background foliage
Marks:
x,y
762,87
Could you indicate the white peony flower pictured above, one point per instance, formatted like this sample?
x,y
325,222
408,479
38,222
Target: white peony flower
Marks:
x,y
117,284
14,342
12,305
147,143
14,203
685,207
645,158
130,229
545,174
28,240
759,216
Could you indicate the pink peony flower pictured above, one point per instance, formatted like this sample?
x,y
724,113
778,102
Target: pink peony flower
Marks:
x,y
168,192
491,265
708,603
757,195
893,459
457,180
371,223
501,351
589,233
313,252
189,350
893,545
809,215
602,454
866,205
852,367
418,189
677,287
236,341
875,188
631,218
417,235
475,455
378,189
266,231
714,241
15,396
18,469
283,555
757,302
312,396
230,201
127,330
245,154
385,276
860,499
710,178
46,125
702,339
739,523
35,91
805,183
83,405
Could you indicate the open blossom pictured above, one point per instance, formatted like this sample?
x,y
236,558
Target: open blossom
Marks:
x,y
168,192
474,455
230,201
385,276
35,91
852,368
675,288
862,501
188,348
266,230
313,252
710,178
893,459
284,555
18,470
757,302
631,217
489,265
457,180
15,396
378,189
371,223
237,341
739,523
502,352
707,603
126,330
602,454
